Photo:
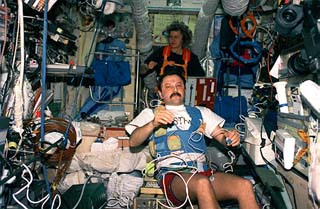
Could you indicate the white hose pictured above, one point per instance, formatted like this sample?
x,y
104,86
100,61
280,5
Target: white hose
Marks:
x,y
202,28
235,7
18,89
143,28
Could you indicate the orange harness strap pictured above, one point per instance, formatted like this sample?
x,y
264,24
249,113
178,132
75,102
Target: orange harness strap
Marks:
x,y
186,54
248,33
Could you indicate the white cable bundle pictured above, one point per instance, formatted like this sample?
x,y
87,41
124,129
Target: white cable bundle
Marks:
x,y
44,200
122,189
235,7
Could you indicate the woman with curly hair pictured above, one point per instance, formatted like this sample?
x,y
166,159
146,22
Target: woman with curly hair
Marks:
x,y
176,53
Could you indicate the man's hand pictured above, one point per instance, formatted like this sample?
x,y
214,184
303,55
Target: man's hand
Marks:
x,y
223,135
145,68
234,138
162,116
151,65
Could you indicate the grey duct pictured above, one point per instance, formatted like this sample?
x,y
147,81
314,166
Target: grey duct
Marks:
x,y
203,26
144,39
142,25
235,7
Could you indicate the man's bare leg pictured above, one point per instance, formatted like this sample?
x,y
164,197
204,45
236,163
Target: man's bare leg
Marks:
x,y
223,187
199,188
228,186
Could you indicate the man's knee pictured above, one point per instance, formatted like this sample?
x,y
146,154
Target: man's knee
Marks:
x,y
246,184
203,183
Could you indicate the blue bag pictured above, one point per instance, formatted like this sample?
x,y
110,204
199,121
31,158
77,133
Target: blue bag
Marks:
x,y
111,73
228,107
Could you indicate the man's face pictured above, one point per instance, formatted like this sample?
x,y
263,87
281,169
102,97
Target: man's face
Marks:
x,y
172,90
175,39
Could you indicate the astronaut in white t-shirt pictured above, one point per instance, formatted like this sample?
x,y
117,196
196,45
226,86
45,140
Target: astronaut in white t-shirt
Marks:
x,y
176,134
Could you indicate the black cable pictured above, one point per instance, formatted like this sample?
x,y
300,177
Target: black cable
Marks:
x,y
262,145
6,162
282,176
238,76
14,37
35,158
5,90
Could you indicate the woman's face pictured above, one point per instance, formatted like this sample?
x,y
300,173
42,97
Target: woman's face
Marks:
x,y
175,39
172,90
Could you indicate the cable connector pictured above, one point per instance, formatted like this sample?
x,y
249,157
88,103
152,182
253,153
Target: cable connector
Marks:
x,y
263,142
5,175
228,141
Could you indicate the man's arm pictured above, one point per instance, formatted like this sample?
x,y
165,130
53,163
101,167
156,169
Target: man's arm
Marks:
x,y
140,134
221,134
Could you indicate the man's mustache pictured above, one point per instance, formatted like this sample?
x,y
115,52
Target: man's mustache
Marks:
x,y
175,94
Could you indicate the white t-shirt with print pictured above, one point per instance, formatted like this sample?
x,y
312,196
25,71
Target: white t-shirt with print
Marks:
x,y
182,119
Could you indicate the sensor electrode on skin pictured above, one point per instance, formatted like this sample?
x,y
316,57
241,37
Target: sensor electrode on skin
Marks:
x,y
228,141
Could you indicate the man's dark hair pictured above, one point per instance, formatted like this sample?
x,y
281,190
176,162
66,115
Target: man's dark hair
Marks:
x,y
171,70
183,28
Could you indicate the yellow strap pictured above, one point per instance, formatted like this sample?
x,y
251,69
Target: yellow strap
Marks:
x,y
165,54
305,138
